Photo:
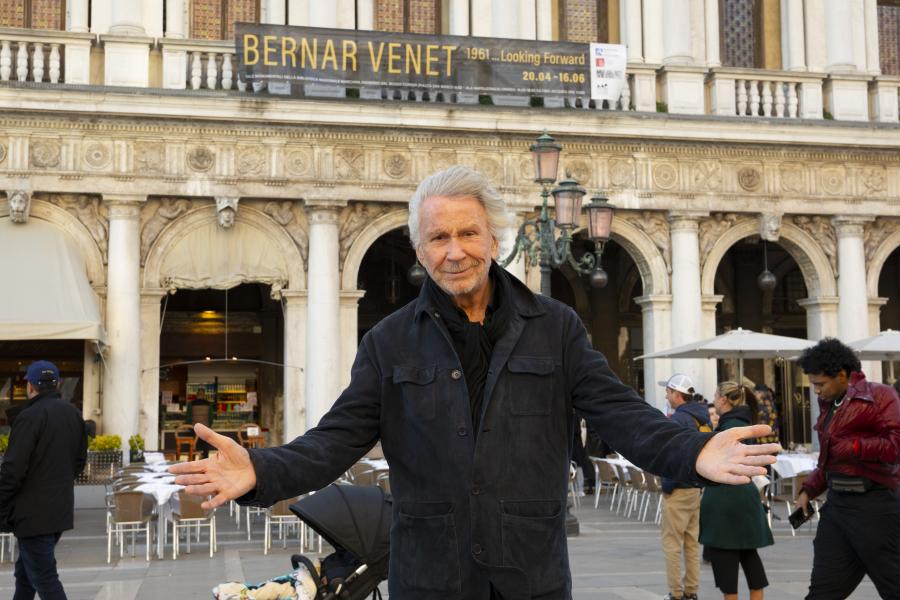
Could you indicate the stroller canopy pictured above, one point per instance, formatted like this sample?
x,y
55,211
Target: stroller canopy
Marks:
x,y
356,518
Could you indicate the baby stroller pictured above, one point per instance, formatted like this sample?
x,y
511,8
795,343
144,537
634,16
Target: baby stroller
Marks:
x,y
356,521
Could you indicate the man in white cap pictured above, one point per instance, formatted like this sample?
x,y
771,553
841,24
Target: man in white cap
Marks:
x,y
681,501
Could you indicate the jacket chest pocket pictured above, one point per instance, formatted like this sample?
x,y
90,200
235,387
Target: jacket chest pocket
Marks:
x,y
418,390
530,385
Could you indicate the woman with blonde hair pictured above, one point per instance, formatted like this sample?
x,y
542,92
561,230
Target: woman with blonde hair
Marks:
x,y
732,519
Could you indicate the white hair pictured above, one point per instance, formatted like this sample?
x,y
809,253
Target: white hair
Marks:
x,y
459,182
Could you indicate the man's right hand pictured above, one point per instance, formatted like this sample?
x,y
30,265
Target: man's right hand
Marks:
x,y
802,501
227,475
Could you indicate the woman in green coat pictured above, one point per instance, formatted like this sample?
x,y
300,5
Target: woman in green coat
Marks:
x,y
732,520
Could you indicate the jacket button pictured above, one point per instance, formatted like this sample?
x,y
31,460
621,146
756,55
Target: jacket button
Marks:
x,y
455,374
462,432
476,491
477,549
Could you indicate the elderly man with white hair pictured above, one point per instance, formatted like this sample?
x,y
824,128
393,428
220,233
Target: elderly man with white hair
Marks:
x,y
473,389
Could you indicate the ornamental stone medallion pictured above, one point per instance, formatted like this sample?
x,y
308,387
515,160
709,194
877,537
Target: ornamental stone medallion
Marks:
x,y
832,180
442,160
526,169
200,159
621,172
97,155
665,176
2,153
45,154
707,176
580,170
874,179
749,178
250,161
396,165
791,178
349,163
297,162
488,167
149,158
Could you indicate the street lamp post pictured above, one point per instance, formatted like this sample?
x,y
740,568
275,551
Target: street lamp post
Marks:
x,y
547,248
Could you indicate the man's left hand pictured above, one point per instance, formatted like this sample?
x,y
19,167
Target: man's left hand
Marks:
x,y
724,459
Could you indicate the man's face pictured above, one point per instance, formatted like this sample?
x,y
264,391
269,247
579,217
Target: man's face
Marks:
x,y
673,398
829,388
455,244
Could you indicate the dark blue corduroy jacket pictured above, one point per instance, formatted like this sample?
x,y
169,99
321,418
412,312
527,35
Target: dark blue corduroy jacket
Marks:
x,y
470,513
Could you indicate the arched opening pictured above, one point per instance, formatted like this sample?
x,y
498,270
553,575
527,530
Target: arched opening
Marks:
x,y
889,287
382,275
776,311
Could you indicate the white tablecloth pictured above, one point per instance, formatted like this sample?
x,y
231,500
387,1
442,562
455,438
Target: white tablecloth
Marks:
x,y
792,464
166,498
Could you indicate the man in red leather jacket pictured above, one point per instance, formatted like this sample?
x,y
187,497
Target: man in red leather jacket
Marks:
x,y
859,465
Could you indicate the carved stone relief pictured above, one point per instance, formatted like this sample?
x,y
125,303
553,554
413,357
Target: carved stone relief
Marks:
x,y
349,163
580,170
791,177
621,172
353,219
822,231
876,232
19,202
250,161
442,160
163,212
298,162
711,230
149,158
396,165
832,180
2,153
97,155
45,154
490,168
749,178
707,176
88,210
665,175
874,179
293,222
226,211
200,159
770,226
656,227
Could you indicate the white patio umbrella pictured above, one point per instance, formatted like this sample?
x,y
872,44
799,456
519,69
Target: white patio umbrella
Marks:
x,y
884,346
737,343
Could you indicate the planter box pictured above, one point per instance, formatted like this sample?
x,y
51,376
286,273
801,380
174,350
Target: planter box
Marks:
x,y
100,467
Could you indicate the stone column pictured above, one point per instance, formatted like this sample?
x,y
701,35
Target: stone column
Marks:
x,y
148,423
175,20
873,58
480,18
793,36
630,29
365,15
295,340
78,15
814,34
527,20
506,25
121,377
839,36
349,332
711,14
711,370
677,32
127,18
653,31
323,14
544,18
853,305
459,17
686,298
273,11
90,387
875,372
656,311
821,321
323,318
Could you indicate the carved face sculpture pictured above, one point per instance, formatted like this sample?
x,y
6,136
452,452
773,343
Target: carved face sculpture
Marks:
x,y
18,207
226,218
770,227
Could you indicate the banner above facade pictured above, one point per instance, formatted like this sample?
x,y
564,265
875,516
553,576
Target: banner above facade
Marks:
x,y
278,53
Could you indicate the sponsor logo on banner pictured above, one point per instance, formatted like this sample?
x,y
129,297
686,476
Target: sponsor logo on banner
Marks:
x,y
608,72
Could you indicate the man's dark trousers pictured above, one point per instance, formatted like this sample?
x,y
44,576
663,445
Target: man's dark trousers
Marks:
x,y
859,535
36,568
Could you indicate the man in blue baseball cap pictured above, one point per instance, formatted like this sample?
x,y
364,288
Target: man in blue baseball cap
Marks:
x,y
47,450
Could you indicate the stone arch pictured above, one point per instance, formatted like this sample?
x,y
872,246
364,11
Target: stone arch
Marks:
x,y
646,256
876,264
814,264
377,228
292,268
625,298
87,246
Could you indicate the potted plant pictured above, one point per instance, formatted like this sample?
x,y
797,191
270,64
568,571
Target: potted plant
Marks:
x,y
136,446
104,457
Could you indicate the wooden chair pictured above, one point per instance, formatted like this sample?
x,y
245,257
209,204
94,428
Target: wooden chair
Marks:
x,y
185,439
132,513
606,479
248,439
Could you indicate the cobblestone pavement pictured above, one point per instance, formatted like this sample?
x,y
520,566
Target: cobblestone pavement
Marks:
x,y
613,558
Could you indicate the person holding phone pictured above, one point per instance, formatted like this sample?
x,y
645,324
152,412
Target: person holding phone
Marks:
x,y
732,520
859,465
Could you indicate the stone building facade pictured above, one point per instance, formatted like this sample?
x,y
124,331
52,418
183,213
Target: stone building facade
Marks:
x,y
131,134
